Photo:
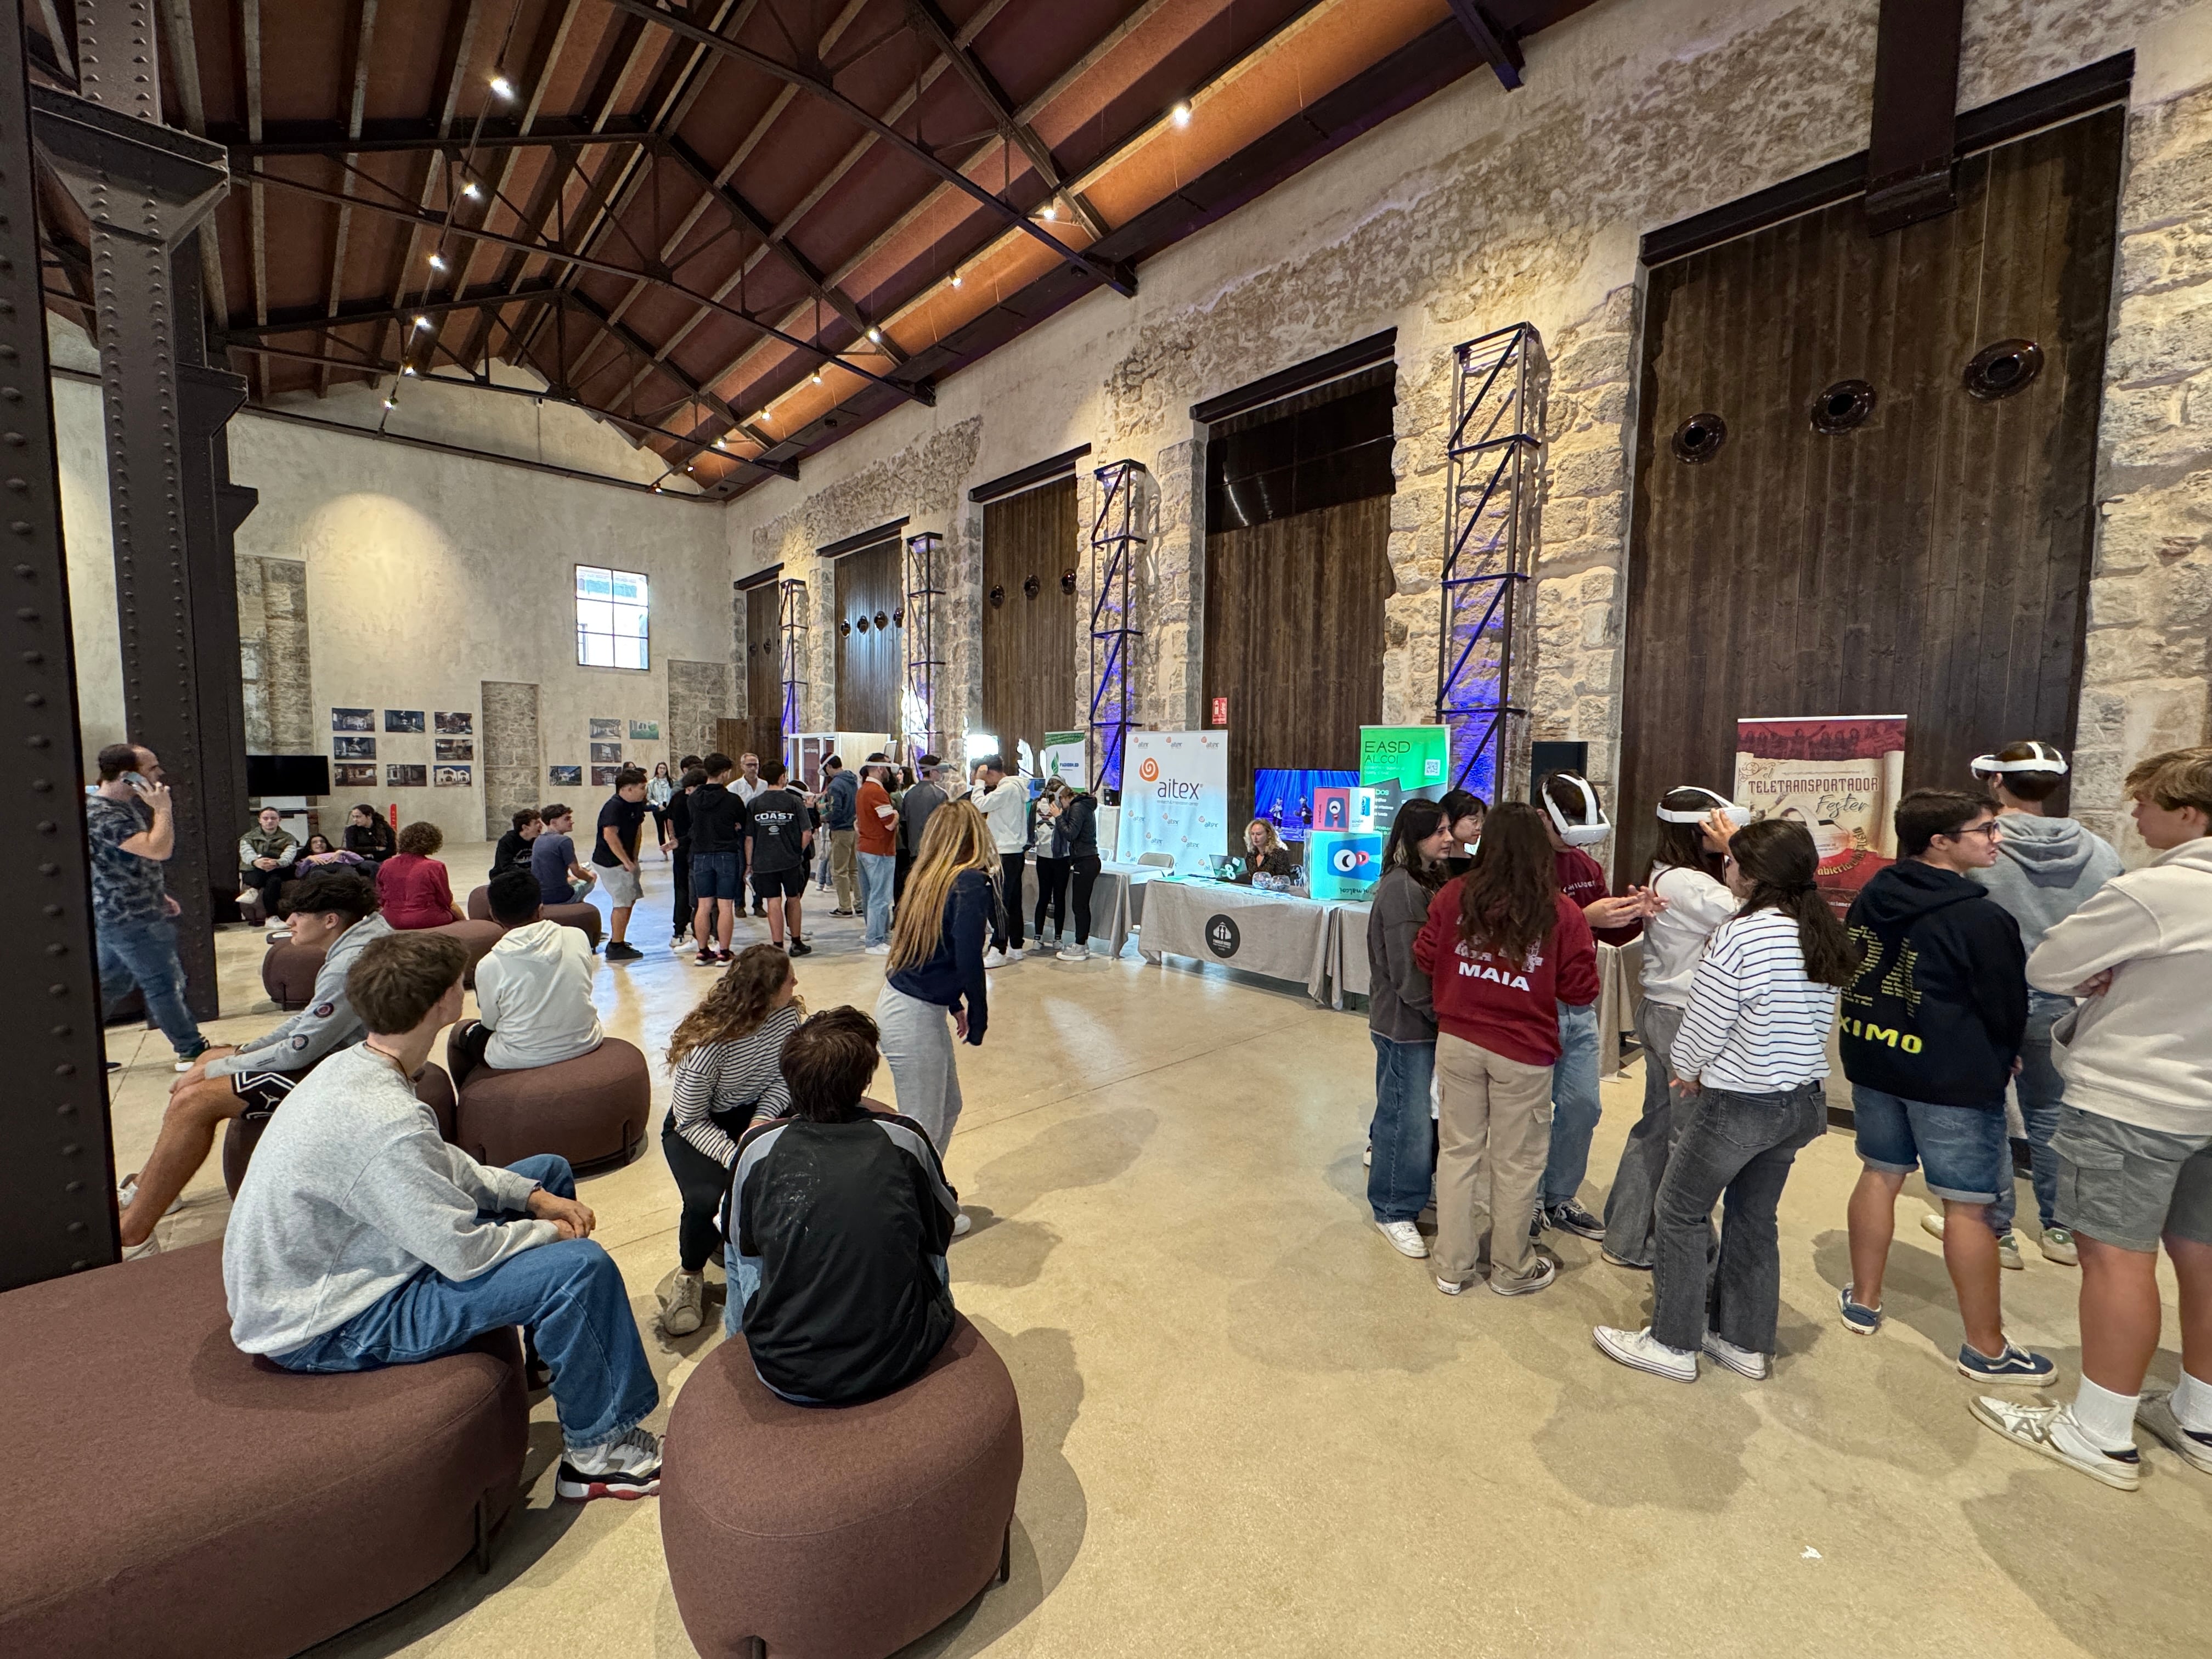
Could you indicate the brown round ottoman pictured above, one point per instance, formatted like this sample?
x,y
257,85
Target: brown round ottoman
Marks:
x,y
591,1109
585,916
434,1089
798,1532
477,938
287,974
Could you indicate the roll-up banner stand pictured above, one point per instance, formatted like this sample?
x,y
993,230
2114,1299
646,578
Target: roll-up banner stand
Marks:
x,y
1174,798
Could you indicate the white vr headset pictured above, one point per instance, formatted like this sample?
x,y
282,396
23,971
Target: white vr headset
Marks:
x,y
2046,759
1594,826
1738,816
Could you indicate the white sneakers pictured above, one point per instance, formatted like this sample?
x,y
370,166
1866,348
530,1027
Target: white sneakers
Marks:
x,y
1074,953
961,1224
2155,1413
2009,1254
687,1297
1404,1237
1645,1352
1742,1361
875,949
2051,1431
994,958
627,1466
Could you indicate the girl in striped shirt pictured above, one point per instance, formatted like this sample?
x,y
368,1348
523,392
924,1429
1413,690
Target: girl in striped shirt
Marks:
x,y
1748,1063
727,1058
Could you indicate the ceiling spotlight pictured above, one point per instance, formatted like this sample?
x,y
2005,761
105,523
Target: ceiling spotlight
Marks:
x,y
471,191
1050,211
502,87
875,336
392,403
421,322
818,377
437,262
955,279
1180,115
408,369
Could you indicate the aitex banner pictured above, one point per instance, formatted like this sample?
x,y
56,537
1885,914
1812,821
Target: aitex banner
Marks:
x,y
1840,777
1174,798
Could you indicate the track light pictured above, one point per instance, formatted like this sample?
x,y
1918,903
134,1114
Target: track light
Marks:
x,y
421,322
955,279
875,336
502,87
408,369
1179,114
392,403
437,262
818,377
1050,212
471,191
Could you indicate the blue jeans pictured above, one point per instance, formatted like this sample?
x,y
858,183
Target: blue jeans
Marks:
x,y
1574,1104
878,871
569,1297
1402,1135
2042,1092
144,954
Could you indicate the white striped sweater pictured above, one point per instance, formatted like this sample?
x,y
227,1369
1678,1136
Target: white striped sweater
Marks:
x,y
727,1077
1755,1024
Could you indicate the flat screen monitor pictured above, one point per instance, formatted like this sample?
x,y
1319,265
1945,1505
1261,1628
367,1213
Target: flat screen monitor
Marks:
x,y
287,775
1285,795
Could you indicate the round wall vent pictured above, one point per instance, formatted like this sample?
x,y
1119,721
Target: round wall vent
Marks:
x,y
998,596
1067,581
1031,586
844,628
862,625
882,620
2000,370
1700,438
1843,405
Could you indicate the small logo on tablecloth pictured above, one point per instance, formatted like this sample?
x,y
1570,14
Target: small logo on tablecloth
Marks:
x,y
1222,936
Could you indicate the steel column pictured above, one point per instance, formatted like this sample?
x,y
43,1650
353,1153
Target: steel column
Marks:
x,y
56,1171
791,622
924,667
1119,538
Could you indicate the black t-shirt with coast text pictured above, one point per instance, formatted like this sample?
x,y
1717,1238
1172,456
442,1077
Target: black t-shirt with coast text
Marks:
x,y
779,821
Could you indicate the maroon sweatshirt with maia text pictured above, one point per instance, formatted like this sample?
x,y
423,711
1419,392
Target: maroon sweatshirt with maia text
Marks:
x,y
1510,1008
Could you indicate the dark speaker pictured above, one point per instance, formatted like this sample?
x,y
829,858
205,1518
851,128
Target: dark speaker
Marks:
x,y
1555,757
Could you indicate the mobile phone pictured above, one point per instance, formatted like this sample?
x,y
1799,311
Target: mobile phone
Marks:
x,y
136,781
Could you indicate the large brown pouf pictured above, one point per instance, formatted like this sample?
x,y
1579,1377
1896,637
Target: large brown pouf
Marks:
x,y
477,938
589,1109
288,973
185,1500
434,1089
837,1533
583,916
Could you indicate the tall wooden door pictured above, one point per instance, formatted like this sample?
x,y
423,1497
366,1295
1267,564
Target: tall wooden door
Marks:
x,y
1931,561
870,666
763,672
1031,624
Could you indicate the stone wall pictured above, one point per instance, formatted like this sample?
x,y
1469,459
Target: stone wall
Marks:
x,y
274,659
510,754
700,694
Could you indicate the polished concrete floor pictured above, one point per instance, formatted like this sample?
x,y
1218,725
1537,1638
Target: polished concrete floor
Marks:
x,y
1254,1429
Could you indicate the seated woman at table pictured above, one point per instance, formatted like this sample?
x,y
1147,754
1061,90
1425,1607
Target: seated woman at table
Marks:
x,y
1265,854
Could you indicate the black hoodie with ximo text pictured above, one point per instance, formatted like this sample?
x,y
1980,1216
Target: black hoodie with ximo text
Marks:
x,y
1940,1003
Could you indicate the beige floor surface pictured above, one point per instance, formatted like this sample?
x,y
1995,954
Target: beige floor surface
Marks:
x,y
1253,1429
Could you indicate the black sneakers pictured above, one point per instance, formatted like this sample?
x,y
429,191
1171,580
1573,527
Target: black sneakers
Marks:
x,y
1571,1217
799,947
622,950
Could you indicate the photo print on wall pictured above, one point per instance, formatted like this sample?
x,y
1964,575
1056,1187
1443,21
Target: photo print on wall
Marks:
x,y
454,724
606,751
403,720
414,777
645,730
344,748
353,720
355,777
454,749
571,776
606,728
452,777
603,777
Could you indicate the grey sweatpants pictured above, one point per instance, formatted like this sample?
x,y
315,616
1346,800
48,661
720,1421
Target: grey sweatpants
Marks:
x,y
919,1043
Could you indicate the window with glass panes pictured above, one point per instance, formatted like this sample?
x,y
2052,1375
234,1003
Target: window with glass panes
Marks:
x,y
611,618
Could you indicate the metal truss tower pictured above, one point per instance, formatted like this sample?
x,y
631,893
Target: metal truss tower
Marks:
x,y
791,622
1118,540
925,586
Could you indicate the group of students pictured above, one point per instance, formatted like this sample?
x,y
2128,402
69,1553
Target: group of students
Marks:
x,y
2003,946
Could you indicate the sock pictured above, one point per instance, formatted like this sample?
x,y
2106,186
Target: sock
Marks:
x,y
2192,1404
2107,1419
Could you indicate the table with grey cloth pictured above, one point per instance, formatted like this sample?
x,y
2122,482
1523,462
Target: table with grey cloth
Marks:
x,y
1277,935
1117,901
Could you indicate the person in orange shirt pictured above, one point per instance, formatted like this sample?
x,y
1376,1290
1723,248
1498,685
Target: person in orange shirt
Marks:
x,y
876,827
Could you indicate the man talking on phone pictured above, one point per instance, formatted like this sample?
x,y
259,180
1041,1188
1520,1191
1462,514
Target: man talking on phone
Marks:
x,y
132,830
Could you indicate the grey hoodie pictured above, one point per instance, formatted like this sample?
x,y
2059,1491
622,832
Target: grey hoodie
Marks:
x,y
2046,868
1400,1005
326,1025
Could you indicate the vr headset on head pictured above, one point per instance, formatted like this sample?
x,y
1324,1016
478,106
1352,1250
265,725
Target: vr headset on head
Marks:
x,y
2046,759
1592,827
1737,816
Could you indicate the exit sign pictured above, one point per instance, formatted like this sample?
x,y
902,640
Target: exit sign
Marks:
x,y
1221,711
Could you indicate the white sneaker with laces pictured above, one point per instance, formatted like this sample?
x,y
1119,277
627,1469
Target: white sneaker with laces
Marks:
x,y
2155,1413
2009,1254
627,1466
1449,1287
1015,953
1644,1352
687,1296
126,1193
875,949
1742,1361
994,958
2051,1431
962,1226
1404,1237
1074,953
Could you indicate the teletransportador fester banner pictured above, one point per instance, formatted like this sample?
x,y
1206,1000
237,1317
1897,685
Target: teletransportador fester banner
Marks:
x,y
1840,777
1175,797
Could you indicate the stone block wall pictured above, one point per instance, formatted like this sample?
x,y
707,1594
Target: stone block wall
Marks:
x,y
700,696
514,777
274,658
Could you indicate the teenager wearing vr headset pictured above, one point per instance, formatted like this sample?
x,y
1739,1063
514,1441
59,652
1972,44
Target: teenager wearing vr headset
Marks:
x,y
1696,826
1574,820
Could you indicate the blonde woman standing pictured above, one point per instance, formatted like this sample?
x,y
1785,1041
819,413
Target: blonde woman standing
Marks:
x,y
934,991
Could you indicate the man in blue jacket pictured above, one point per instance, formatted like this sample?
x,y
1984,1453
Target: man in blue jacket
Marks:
x,y
840,816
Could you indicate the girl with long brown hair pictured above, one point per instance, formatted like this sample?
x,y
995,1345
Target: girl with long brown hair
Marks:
x,y
1504,949
934,993
726,1056
1402,1025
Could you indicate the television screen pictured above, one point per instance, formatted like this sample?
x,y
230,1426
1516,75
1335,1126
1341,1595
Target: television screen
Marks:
x,y
1285,796
287,775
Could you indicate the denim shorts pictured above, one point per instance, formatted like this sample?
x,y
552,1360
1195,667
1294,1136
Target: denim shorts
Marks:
x,y
2126,1185
716,876
1962,1150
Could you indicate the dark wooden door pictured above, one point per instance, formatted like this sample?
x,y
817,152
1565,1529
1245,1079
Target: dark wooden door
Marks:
x,y
1030,625
870,664
763,672
1931,563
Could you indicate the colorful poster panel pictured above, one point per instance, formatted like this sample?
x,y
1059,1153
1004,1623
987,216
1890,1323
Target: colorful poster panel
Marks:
x,y
645,730
1343,864
345,748
1174,798
1399,762
1840,776
451,777
453,725
411,776
606,728
403,720
353,720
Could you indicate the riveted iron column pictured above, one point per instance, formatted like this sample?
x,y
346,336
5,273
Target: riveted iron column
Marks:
x,y
145,188
57,1175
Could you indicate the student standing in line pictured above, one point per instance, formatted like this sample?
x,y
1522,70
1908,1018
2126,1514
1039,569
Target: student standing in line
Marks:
x,y
717,819
679,850
1750,1054
745,786
1505,952
660,790
1401,1023
876,840
725,1063
2135,1136
1573,819
1051,867
933,996
514,850
1695,827
1003,798
2046,867
533,990
1075,839
1464,811
841,814
780,825
1931,1031
614,851
924,796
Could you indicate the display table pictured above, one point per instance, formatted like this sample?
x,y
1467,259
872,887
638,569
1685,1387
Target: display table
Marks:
x,y
1277,935
1117,901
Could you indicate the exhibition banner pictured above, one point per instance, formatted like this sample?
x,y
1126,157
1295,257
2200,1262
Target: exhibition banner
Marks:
x,y
1840,776
1398,762
1063,759
1344,864
1174,798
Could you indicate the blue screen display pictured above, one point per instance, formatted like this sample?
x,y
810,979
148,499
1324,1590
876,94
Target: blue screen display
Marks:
x,y
1285,797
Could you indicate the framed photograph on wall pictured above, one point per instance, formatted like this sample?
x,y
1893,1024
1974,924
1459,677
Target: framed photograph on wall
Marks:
x,y
603,777
345,748
355,777
451,777
645,730
606,751
452,724
353,720
568,776
403,720
412,776
606,728
454,749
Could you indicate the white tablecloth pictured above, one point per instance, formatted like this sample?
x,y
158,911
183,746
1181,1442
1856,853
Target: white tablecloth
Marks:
x,y
1274,934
